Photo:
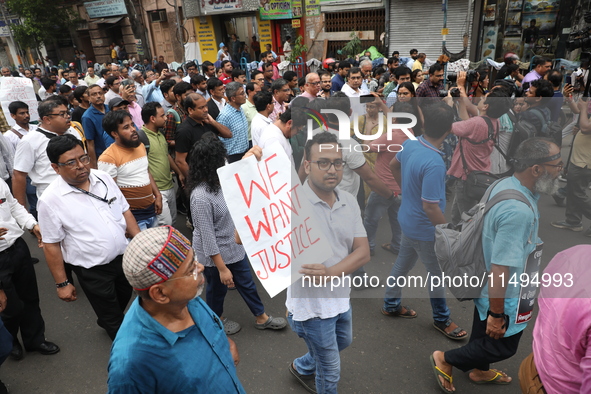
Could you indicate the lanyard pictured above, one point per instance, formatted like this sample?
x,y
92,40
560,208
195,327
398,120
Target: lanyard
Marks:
x,y
103,199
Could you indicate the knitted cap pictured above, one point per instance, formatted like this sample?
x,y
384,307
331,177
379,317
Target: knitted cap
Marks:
x,y
154,255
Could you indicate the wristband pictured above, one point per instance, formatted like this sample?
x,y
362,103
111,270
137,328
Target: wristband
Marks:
x,y
495,315
63,284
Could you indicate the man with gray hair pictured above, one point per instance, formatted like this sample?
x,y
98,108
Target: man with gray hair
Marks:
x,y
232,116
511,249
138,79
312,86
170,339
6,72
366,67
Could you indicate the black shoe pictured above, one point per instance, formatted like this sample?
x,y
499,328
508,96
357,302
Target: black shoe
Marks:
x,y
34,260
308,381
46,348
17,352
3,389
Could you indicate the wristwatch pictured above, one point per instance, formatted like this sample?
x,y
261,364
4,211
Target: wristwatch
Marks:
x,y
496,315
63,284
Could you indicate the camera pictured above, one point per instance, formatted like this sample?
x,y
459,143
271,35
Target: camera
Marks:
x,y
581,38
471,75
453,92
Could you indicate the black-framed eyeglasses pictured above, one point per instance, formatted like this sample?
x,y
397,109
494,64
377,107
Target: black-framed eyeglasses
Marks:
x,y
313,83
560,165
64,114
324,165
85,159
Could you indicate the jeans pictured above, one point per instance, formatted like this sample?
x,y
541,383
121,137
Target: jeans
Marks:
x,y
215,292
578,202
410,251
375,209
325,338
461,202
147,223
32,198
168,215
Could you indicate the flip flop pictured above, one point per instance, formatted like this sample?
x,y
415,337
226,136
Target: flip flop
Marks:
x,y
495,380
440,326
406,315
388,247
272,323
438,372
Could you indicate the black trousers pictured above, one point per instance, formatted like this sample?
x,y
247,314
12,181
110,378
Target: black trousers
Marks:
x,y
20,285
235,157
578,202
108,292
482,350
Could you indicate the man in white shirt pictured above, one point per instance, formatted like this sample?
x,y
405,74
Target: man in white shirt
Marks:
x,y
31,157
319,314
191,70
353,90
19,297
91,78
73,80
280,131
263,102
287,47
84,220
199,85
48,88
113,83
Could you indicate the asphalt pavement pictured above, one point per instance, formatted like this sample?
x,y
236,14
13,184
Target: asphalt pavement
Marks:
x,y
388,355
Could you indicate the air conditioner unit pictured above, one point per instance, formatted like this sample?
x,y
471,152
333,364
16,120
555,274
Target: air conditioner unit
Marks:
x,y
158,16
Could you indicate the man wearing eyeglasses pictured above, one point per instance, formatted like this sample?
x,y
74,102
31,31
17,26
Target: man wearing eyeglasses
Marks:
x,y
30,157
281,93
84,220
312,86
317,313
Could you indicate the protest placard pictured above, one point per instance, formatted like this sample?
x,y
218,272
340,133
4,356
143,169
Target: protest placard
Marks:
x,y
273,217
17,89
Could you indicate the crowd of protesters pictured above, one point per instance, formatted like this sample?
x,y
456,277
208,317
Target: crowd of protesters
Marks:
x,y
123,151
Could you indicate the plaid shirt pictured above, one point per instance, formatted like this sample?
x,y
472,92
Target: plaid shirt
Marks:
x,y
235,120
427,89
172,124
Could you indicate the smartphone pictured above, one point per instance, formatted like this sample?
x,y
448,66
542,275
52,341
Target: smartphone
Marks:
x,y
366,98
569,80
127,82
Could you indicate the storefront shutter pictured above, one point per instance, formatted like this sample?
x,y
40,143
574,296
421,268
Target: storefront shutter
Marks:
x,y
417,24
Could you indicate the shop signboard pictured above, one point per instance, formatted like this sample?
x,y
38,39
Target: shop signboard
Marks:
x,y
275,9
265,33
312,7
209,7
105,8
206,38
5,28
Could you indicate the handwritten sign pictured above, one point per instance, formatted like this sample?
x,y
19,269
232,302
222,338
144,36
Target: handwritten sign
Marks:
x,y
273,217
17,89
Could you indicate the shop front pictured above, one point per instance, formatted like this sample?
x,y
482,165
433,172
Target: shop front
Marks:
x,y
525,27
284,18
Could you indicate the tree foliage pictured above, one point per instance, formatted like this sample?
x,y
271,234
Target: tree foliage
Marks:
x,y
353,47
42,21
298,48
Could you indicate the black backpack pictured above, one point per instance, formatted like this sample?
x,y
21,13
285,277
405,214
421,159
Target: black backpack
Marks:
x,y
524,130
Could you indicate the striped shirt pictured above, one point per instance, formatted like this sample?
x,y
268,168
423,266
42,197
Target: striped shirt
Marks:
x,y
213,228
235,120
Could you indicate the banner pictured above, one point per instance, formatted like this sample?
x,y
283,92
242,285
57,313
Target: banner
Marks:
x,y
103,8
209,7
265,33
275,9
273,217
206,38
17,89
296,8
312,7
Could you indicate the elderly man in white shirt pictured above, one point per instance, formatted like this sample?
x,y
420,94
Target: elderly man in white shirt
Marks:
x,y
279,131
84,220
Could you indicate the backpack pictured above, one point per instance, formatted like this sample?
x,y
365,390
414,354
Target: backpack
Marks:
x,y
524,130
459,248
143,139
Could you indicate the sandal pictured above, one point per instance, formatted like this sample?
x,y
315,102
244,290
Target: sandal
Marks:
x,y
455,334
495,380
438,372
388,247
406,315
230,327
273,323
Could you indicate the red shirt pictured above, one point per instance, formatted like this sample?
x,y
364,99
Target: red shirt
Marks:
x,y
225,79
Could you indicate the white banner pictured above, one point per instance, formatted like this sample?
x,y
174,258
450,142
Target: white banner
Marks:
x,y
273,217
17,89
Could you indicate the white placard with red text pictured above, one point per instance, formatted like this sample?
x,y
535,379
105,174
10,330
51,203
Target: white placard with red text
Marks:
x,y
273,217
17,89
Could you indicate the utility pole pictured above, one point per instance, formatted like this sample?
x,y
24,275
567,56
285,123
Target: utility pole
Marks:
x,y
139,30
179,28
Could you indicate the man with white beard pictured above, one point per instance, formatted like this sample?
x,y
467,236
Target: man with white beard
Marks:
x,y
512,252
170,338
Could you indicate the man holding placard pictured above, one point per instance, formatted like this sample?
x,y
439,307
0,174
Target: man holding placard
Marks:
x,y
318,311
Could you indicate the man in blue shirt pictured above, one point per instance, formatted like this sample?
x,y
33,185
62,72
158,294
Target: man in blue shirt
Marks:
x,y
512,252
420,171
92,123
339,77
232,116
170,342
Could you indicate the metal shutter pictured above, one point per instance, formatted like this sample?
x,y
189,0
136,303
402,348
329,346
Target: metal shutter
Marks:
x,y
417,24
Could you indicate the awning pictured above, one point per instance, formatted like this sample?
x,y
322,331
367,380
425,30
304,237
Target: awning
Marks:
x,y
107,21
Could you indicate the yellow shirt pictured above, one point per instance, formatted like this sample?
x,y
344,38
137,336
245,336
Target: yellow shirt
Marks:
x,y
582,150
417,65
